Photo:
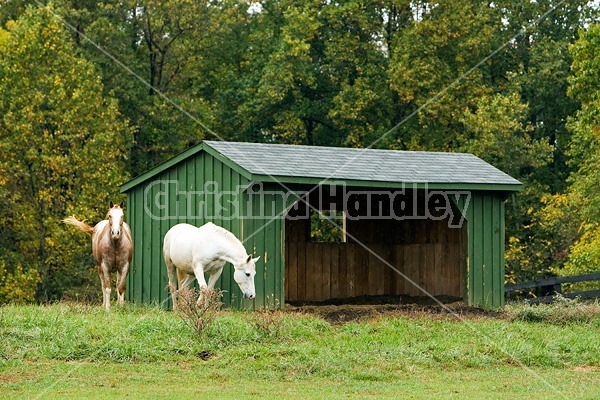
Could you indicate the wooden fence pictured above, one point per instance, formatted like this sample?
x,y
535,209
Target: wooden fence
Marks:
x,y
555,285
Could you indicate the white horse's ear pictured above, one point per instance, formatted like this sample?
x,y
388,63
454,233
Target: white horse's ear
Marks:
x,y
248,259
122,204
254,260
111,204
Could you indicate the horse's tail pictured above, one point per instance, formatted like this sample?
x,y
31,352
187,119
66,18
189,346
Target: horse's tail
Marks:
x,y
80,224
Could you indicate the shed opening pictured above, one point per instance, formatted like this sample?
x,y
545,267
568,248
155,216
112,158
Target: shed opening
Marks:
x,y
328,226
398,243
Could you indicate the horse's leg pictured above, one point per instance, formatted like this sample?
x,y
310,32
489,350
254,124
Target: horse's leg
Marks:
x,y
185,281
214,277
199,273
212,280
121,282
172,272
180,277
105,279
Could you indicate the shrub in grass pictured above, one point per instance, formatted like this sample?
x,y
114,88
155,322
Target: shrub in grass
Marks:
x,y
198,315
267,322
561,312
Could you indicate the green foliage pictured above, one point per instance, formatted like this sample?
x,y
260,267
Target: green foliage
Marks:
x,y
499,133
327,226
18,286
428,62
63,148
543,245
320,72
584,151
584,258
585,145
544,86
541,62
158,42
309,72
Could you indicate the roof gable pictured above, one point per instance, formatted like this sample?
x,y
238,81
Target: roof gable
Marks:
x,y
364,167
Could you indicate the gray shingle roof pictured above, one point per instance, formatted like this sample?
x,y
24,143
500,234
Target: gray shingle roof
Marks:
x,y
336,163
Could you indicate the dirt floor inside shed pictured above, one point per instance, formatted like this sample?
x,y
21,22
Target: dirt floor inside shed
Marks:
x,y
340,311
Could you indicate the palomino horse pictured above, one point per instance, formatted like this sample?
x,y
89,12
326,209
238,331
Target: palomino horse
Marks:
x,y
190,252
112,248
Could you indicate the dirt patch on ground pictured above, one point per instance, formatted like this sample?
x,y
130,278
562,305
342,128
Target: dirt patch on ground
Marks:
x,y
340,311
586,369
6,379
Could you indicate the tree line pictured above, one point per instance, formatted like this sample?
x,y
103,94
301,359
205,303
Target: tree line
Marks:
x,y
93,93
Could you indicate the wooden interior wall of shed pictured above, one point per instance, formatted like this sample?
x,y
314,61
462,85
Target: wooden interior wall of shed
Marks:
x,y
426,251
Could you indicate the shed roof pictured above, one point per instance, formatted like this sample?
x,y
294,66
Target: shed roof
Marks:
x,y
261,162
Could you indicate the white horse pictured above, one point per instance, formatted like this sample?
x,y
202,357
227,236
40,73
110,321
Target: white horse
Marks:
x,y
190,252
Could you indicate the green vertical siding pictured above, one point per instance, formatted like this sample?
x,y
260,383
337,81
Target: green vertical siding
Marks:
x,y
273,257
263,236
488,250
148,280
484,264
500,274
227,275
476,243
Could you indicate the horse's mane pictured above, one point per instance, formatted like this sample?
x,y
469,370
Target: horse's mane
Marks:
x,y
226,234
221,231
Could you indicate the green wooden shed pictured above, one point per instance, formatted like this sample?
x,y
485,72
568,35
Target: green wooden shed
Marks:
x,y
405,223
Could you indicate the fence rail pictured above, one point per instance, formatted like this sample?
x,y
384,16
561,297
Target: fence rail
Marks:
x,y
555,285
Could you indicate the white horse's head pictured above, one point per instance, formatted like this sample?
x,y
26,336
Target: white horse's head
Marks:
x,y
115,220
244,276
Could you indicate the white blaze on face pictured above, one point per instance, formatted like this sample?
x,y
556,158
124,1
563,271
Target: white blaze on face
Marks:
x,y
244,277
115,222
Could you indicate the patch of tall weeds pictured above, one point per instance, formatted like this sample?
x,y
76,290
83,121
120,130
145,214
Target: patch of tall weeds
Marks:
x,y
561,312
198,315
268,321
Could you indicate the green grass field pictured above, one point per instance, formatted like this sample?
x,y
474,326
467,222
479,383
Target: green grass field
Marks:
x,y
78,351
